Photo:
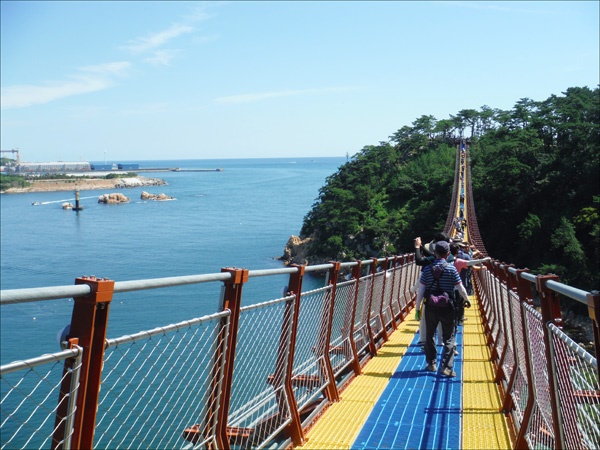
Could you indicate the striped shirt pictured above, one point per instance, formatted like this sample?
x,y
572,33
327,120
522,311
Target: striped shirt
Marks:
x,y
448,280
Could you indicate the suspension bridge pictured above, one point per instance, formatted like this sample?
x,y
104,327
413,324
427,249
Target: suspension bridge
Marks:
x,y
329,368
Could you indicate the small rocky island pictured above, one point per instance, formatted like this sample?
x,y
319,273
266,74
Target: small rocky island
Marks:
x,y
114,198
156,197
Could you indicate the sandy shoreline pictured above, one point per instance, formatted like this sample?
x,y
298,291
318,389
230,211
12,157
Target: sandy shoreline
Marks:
x,y
86,184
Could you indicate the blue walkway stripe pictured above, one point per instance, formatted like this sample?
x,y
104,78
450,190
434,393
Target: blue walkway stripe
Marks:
x,y
418,409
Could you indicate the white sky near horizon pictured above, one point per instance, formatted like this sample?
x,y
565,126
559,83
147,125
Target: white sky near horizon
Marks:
x,y
151,80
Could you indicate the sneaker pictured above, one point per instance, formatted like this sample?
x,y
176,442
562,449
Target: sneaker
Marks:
x,y
449,372
421,343
431,367
455,352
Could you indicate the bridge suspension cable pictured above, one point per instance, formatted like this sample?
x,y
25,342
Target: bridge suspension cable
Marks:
x,y
462,206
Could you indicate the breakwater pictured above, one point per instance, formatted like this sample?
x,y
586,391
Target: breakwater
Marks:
x,y
177,169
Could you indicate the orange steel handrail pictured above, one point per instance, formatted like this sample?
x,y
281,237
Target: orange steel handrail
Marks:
x,y
489,292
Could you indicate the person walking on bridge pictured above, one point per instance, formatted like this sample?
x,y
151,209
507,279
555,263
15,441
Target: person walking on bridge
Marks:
x,y
437,284
424,255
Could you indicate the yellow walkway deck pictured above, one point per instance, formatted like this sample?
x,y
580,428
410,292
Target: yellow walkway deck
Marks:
x,y
483,426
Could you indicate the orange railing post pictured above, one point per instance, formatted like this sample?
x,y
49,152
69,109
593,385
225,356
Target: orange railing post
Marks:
x,y
372,272
294,287
61,433
403,275
415,274
494,313
511,285
384,333
88,325
550,306
356,270
503,321
394,300
410,279
525,297
331,391
232,300
593,303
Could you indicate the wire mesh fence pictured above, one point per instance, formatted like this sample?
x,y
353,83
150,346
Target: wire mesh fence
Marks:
x,y
361,316
507,338
259,406
376,322
155,383
340,347
578,391
310,371
540,428
386,303
519,391
31,399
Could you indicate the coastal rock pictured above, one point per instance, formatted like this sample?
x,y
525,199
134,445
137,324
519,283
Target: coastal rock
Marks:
x,y
160,197
296,251
113,198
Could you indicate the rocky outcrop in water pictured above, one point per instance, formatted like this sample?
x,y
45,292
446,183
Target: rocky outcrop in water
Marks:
x,y
113,198
296,251
160,197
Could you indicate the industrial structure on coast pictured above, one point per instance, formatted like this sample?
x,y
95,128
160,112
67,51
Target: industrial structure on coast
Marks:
x,y
19,167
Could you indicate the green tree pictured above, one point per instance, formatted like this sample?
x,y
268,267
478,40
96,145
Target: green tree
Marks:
x,y
535,185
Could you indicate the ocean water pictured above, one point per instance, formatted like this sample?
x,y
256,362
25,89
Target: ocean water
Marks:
x,y
242,217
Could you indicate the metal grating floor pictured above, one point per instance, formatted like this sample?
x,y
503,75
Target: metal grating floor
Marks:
x,y
396,404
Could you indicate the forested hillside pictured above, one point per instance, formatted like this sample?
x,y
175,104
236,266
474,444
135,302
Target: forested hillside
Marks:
x,y
536,187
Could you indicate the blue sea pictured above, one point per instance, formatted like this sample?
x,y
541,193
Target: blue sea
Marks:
x,y
241,216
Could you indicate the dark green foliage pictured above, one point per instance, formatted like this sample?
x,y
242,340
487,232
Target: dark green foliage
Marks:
x,y
381,199
13,181
536,186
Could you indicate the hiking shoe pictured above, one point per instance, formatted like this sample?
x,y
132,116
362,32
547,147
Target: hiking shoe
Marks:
x,y
449,372
431,367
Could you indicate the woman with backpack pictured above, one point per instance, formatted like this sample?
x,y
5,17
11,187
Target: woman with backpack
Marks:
x,y
436,288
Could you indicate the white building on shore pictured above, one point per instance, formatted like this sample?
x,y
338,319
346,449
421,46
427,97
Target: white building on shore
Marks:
x,y
49,167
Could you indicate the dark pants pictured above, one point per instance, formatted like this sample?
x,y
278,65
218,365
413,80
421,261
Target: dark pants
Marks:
x,y
447,317
460,309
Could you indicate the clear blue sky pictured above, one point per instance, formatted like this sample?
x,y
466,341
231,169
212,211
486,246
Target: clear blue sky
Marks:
x,y
185,80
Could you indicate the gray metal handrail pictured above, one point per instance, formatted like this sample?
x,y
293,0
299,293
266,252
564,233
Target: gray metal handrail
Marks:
x,y
11,296
560,288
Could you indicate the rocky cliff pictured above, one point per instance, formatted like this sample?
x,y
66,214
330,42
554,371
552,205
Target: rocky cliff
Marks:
x,y
296,251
